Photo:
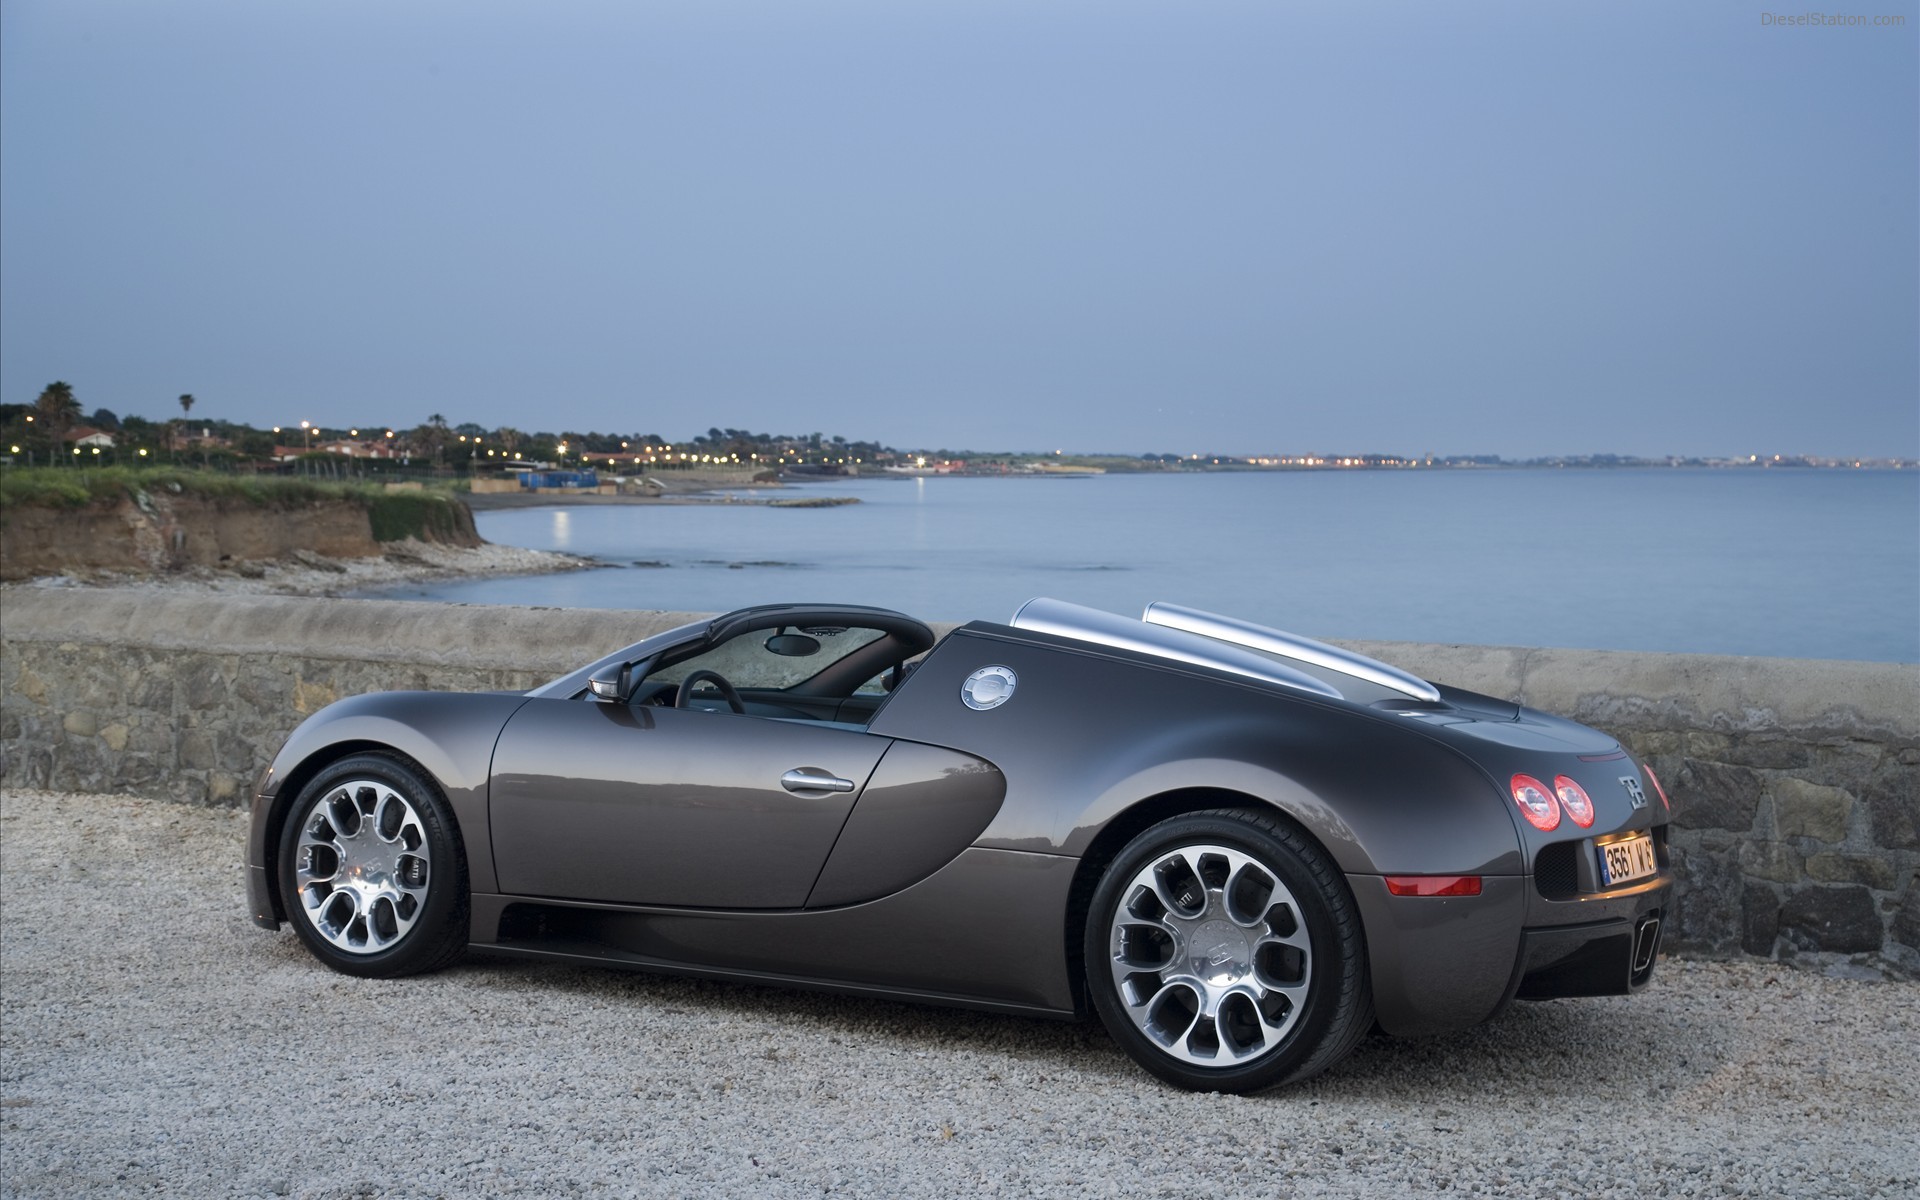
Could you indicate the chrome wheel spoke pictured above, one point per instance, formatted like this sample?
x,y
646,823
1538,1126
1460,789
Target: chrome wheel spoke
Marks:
x,y
362,866
1209,955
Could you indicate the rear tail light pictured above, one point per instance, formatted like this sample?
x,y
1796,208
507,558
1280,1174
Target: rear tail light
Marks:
x,y
1536,803
1575,800
1433,885
1658,790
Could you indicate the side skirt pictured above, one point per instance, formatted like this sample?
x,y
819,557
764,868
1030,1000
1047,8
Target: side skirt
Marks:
x,y
612,961
986,930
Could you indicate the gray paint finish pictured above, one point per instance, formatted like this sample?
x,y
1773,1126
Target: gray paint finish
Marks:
x,y
923,806
450,735
967,934
1086,737
667,806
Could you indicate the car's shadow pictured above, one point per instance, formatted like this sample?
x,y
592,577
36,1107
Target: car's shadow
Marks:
x,y
1531,1049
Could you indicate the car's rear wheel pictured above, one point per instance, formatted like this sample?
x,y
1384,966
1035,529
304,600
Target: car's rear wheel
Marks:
x,y
372,870
1224,952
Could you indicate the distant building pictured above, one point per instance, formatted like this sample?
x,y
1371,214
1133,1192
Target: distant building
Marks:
x,y
87,435
359,449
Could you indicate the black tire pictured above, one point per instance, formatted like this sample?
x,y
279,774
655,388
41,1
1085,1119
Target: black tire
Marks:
x,y
404,910
1288,990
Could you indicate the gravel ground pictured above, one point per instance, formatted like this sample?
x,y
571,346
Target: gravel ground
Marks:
x,y
154,1042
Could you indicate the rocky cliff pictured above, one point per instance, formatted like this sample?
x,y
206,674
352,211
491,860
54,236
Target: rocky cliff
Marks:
x,y
149,532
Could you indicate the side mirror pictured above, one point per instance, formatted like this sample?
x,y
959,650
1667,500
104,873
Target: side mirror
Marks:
x,y
609,684
793,645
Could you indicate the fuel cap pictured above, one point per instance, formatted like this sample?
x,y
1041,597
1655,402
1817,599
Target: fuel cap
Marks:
x,y
989,687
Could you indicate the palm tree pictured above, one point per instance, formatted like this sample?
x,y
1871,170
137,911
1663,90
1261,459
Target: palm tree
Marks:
x,y
430,438
56,410
186,408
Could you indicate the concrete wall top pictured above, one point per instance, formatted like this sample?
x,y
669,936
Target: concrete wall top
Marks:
x,y
541,640
1616,690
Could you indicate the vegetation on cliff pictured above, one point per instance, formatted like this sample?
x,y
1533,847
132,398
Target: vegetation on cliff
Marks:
x,y
430,514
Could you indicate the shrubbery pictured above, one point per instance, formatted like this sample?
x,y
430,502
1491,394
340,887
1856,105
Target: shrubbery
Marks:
x,y
428,514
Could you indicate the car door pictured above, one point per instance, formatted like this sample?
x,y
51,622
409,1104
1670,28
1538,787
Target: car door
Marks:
x,y
684,807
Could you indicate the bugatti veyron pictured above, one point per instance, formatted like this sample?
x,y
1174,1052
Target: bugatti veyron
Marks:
x,y
1240,848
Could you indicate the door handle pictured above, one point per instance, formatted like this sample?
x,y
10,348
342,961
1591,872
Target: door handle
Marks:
x,y
813,779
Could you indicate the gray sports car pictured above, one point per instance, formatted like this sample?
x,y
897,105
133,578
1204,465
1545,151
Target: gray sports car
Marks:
x,y
1241,848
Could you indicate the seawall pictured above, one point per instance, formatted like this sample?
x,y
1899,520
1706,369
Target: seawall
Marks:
x,y
1795,784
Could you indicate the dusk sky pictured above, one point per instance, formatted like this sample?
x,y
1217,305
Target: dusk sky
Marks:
x,y
1515,228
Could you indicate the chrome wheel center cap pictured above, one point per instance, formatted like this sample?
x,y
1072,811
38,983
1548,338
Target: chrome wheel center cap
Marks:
x,y
1217,952
369,869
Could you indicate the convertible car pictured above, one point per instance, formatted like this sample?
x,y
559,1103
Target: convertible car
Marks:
x,y
1242,849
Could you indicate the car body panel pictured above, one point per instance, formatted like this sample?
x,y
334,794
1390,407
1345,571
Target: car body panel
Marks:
x,y
1078,746
632,805
450,735
922,807
965,935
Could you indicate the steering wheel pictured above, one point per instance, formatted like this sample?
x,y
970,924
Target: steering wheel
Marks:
x,y
683,697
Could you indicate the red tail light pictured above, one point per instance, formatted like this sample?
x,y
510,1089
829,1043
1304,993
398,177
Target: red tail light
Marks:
x,y
1536,803
1575,800
1658,790
1433,885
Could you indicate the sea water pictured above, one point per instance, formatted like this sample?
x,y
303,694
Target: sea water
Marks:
x,y
1788,563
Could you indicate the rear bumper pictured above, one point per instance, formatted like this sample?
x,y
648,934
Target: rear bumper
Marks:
x,y
1609,949
1441,965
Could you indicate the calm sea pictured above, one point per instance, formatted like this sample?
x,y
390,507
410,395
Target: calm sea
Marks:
x,y
1804,563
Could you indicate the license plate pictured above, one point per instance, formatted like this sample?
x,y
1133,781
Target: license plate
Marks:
x,y
1626,860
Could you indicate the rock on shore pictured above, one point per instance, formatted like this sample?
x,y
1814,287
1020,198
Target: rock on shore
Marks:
x,y
302,572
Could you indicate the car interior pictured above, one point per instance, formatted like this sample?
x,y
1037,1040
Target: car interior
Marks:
x,y
834,666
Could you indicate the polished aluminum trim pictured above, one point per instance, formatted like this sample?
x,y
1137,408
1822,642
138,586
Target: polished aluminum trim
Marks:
x,y
1289,645
1057,617
988,688
813,779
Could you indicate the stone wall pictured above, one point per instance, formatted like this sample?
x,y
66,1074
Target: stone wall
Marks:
x,y
1795,785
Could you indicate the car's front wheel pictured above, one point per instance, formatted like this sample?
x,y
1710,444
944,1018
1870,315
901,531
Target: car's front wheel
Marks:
x,y
372,870
1224,952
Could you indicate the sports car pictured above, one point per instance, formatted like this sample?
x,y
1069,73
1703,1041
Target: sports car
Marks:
x,y
1240,848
